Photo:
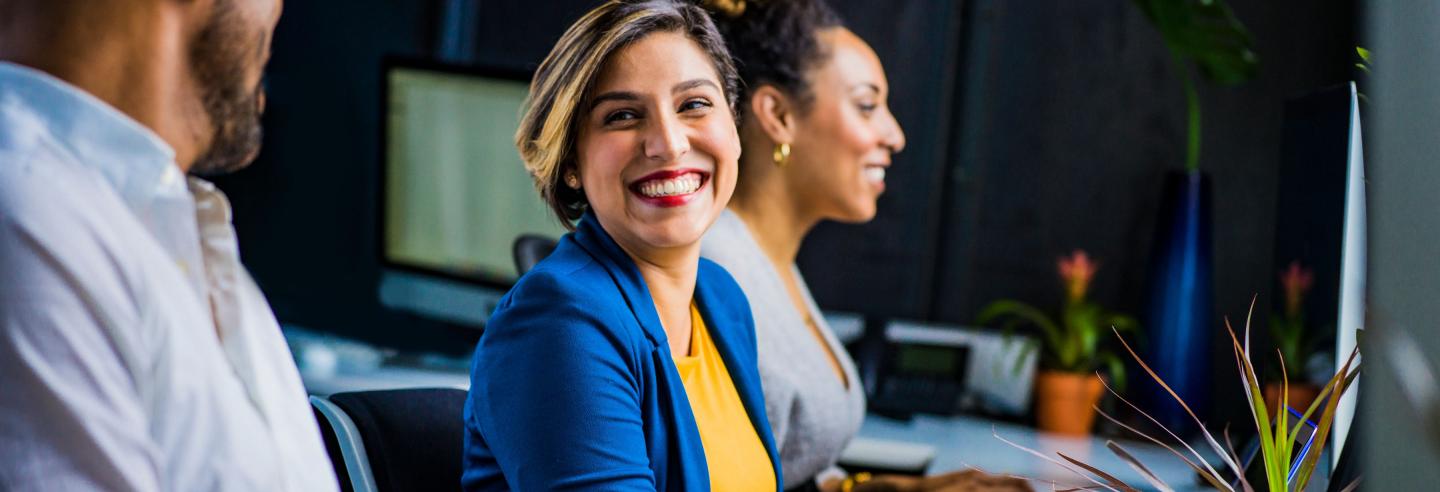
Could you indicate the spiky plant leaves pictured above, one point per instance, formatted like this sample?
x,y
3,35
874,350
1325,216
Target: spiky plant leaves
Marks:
x,y
1276,442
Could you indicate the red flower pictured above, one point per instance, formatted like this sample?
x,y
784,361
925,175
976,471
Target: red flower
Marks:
x,y
1076,271
1296,280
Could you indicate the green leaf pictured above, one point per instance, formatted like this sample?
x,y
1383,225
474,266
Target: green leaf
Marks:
x,y
1206,33
1026,313
1030,347
1251,384
1327,419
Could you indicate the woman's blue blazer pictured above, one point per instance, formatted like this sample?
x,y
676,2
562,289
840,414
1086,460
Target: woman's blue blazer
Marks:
x,y
573,385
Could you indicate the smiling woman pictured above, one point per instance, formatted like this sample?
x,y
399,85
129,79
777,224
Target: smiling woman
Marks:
x,y
623,361
657,151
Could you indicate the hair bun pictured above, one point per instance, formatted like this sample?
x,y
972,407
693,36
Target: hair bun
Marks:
x,y
728,8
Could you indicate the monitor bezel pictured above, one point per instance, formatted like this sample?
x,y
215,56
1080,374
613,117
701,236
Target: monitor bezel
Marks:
x,y
388,65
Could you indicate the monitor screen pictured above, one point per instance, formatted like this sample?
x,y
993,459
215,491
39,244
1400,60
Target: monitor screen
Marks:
x,y
456,194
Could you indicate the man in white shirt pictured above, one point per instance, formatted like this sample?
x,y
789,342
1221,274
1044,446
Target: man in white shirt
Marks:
x,y
136,353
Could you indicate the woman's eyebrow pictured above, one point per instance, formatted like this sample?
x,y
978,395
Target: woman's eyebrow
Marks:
x,y
691,84
614,96
634,96
866,86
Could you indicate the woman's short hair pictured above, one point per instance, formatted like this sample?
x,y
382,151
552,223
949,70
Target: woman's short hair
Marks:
x,y
558,94
775,41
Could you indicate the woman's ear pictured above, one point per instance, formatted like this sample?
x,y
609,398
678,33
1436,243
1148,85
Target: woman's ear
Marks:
x,y
774,112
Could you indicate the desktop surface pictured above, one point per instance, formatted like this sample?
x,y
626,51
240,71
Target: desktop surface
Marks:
x,y
969,442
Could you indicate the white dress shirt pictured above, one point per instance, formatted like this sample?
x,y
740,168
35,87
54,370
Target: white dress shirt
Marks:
x,y
136,353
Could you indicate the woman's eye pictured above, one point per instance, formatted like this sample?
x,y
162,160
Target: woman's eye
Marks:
x,y
695,104
622,115
867,109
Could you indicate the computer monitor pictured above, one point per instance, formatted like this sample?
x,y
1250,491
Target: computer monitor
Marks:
x,y
454,193
1320,221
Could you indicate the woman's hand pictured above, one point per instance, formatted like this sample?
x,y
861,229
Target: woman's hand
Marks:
x,y
975,481
959,481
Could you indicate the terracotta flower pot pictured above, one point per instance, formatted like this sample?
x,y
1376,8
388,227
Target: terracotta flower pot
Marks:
x,y
1066,401
1300,396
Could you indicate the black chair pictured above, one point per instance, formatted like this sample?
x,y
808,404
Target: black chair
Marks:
x,y
529,249
410,439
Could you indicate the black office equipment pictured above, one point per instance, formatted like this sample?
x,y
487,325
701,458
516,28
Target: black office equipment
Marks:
x,y
530,249
920,377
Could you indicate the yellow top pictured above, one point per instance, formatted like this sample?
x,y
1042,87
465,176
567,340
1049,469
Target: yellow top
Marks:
x,y
734,453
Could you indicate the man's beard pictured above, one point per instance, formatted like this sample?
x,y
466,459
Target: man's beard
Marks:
x,y
218,58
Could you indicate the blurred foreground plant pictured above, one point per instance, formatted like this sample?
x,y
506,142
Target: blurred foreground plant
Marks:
x,y
1277,434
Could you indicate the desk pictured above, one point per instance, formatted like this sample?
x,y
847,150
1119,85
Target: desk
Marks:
x,y
963,442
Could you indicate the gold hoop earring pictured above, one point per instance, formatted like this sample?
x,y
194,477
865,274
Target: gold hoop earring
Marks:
x,y
781,154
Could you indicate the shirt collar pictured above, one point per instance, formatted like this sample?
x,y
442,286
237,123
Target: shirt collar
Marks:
x,y
136,161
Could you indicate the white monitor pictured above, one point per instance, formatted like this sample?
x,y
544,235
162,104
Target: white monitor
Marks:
x,y
1353,262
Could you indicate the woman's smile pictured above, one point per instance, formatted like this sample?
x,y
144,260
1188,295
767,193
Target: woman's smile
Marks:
x,y
670,187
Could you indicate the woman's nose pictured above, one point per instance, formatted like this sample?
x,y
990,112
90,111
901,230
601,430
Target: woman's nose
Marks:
x,y
666,139
894,135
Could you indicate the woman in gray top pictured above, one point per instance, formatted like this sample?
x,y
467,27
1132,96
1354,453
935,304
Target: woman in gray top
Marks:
x,y
817,138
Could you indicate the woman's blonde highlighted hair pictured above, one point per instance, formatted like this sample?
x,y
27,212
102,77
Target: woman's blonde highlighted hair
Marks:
x,y
560,90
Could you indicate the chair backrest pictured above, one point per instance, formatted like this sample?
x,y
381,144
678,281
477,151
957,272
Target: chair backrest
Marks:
x,y
529,249
341,437
410,439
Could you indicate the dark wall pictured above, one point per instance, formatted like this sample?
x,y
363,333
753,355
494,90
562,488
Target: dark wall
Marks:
x,y
1062,120
886,268
303,210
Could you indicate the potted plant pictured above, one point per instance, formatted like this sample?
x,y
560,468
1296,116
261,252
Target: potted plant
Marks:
x,y
1067,387
1288,330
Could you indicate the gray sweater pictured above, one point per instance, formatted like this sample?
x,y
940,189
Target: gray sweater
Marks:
x,y
812,412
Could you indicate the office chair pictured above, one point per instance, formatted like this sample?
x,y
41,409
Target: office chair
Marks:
x,y
409,439
529,249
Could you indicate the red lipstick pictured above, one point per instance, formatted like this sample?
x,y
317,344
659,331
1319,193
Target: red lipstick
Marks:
x,y
638,186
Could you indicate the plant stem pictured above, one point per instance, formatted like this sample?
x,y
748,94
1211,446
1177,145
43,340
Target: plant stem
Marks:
x,y
1192,109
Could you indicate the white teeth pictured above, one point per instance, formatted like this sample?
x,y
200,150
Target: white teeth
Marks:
x,y
875,174
682,185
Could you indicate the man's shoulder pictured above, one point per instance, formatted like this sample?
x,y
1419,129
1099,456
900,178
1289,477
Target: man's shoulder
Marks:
x,y
39,178
58,216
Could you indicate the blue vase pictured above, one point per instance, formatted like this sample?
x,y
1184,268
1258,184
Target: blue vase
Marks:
x,y
1178,322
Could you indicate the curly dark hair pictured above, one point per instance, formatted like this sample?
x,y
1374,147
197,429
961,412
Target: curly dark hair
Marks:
x,y
775,41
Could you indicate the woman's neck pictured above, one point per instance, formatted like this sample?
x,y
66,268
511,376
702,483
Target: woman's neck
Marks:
x,y
669,275
777,223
